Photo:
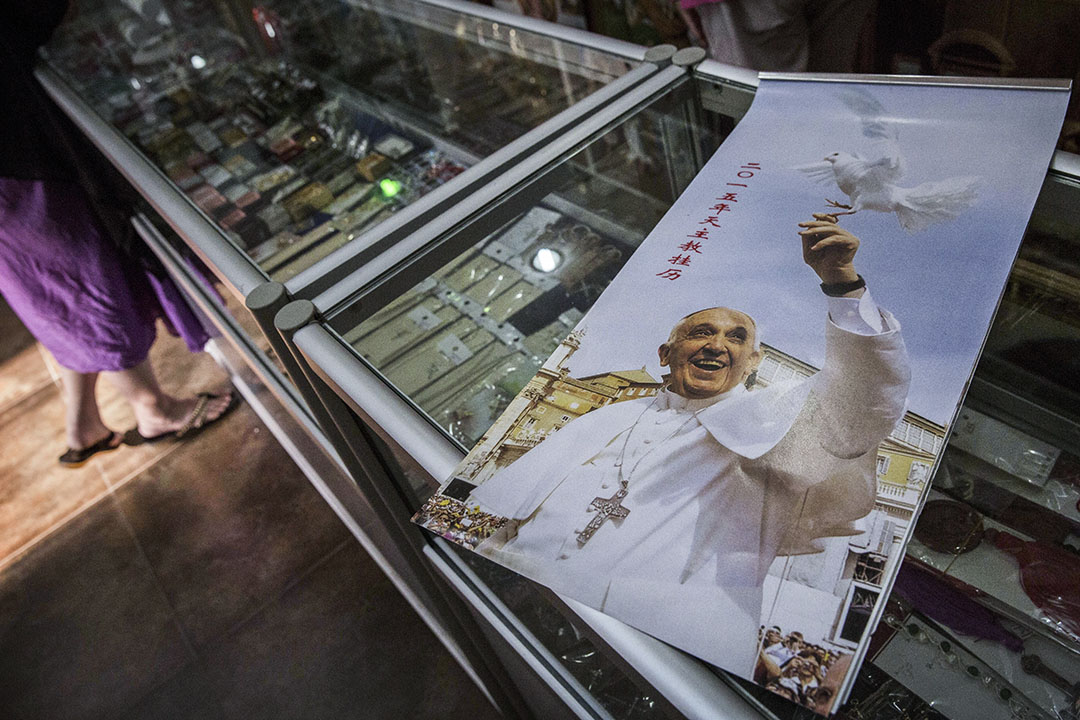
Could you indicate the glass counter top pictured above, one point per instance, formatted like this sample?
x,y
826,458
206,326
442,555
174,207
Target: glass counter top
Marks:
x,y
297,127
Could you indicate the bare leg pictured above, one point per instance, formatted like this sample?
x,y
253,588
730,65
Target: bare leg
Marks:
x,y
156,411
82,421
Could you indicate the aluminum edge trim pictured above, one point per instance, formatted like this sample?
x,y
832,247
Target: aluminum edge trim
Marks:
x,y
474,175
236,269
497,616
564,33
713,69
416,436
954,81
392,414
484,196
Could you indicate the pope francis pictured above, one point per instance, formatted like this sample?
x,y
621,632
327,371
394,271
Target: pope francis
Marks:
x,y
666,512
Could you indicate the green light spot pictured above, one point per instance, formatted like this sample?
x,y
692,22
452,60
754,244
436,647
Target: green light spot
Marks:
x,y
389,187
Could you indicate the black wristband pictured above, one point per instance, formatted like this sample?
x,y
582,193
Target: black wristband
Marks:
x,y
841,289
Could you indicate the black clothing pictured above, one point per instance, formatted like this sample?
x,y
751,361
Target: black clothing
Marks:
x,y
39,142
31,126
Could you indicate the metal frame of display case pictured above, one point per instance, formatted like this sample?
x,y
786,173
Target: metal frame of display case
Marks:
x,y
361,457
686,684
715,70
543,27
307,446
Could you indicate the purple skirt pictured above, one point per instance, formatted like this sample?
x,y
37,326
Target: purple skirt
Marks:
x,y
90,306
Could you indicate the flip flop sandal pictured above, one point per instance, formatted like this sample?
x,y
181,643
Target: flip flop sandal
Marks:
x,y
73,458
195,422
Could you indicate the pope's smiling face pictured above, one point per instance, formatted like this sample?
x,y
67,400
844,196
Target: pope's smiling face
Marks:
x,y
710,352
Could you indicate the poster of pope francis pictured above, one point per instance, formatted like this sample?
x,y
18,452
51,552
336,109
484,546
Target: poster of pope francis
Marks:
x,y
728,451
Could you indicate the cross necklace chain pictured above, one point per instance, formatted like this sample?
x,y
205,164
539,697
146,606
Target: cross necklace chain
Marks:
x,y
611,508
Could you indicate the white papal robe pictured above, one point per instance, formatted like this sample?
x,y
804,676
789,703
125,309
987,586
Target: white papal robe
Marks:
x,y
716,489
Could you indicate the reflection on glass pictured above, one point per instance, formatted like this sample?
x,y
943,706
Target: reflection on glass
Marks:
x,y
296,127
1034,345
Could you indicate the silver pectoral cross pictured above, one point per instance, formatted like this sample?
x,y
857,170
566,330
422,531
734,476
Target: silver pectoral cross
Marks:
x,y
605,508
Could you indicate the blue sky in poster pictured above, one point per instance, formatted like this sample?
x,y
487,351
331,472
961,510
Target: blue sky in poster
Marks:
x,y
942,284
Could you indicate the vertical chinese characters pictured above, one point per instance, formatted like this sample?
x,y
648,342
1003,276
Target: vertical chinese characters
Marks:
x,y
698,240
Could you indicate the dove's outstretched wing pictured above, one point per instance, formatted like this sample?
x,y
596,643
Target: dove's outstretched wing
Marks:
x,y
886,164
932,202
819,172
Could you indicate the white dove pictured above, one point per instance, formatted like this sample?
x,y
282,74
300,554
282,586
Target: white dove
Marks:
x,y
870,183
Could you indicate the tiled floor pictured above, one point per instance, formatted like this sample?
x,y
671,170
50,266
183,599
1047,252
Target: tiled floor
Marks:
x,y
203,579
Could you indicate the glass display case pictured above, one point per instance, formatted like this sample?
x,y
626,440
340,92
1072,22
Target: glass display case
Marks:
x,y
983,619
299,128
294,142
998,542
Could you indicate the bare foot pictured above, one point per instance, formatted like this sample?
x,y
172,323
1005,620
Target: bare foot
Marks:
x,y
176,414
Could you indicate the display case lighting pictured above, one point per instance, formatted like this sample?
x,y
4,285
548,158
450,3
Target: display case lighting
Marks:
x,y
546,259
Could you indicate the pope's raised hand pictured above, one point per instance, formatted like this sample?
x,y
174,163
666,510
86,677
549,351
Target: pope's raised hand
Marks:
x,y
829,249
